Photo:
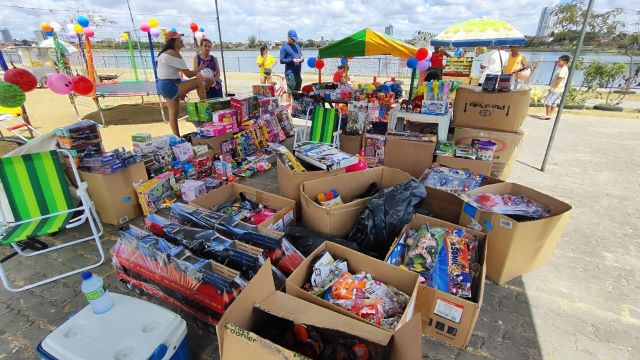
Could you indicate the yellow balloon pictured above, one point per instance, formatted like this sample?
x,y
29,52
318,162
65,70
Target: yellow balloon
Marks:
x,y
78,29
153,22
124,36
11,111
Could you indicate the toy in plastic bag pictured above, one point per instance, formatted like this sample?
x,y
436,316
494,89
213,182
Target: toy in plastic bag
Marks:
x,y
349,286
508,204
452,180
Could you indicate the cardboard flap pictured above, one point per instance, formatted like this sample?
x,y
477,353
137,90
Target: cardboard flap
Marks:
x,y
407,341
240,311
291,308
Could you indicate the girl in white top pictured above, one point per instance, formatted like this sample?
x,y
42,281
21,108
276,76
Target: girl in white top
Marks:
x,y
170,64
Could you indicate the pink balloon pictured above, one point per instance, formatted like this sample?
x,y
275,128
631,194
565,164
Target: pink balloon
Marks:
x,y
423,65
155,32
60,84
88,32
429,55
144,27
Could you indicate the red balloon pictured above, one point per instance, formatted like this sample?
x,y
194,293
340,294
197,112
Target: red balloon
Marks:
x,y
82,85
194,27
421,54
21,78
319,64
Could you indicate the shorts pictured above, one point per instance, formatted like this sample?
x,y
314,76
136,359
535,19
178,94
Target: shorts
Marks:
x,y
168,88
553,99
294,82
214,92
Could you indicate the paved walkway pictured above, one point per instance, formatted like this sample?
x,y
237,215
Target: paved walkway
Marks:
x,y
582,305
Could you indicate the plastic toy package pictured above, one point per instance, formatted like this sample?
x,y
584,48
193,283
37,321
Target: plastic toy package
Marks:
x,y
154,193
287,158
508,204
201,287
452,180
246,210
284,119
359,294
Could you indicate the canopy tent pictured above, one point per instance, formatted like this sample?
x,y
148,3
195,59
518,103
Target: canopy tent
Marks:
x,y
479,32
65,46
367,42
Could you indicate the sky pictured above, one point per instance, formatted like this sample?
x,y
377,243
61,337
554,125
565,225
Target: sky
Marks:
x,y
271,19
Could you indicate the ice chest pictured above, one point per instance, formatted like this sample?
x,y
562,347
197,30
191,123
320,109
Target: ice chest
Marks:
x,y
133,330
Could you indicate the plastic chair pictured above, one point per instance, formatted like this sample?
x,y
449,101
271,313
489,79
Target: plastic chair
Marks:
x,y
37,192
325,127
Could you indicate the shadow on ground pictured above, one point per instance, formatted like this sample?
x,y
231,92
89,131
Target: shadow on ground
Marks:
x,y
130,114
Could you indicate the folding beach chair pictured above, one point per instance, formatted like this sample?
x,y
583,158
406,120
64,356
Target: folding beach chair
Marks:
x,y
37,192
325,127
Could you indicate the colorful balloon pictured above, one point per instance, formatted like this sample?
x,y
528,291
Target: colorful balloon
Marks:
x,y
194,27
78,29
199,35
429,56
319,64
155,32
11,96
412,62
88,32
55,26
343,61
423,65
153,22
70,28
83,21
144,27
48,33
72,35
201,29
82,85
124,36
311,62
421,54
60,84
45,27
174,29
21,78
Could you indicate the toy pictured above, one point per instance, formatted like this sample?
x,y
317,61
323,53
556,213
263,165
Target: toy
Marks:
x,y
151,193
192,189
329,199
183,151
374,149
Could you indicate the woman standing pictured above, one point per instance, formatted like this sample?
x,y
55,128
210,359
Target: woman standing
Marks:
x,y
169,85
516,63
214,84
265,62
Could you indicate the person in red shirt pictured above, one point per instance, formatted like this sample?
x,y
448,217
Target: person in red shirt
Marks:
x,y
437,59
339,75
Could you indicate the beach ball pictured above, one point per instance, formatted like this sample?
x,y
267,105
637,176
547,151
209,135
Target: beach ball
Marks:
x,y
144,27
153,22
78,29
83,21
45,27
194,27
422,53
11,96
60,84
319,64
82,85
155,32
412,62
88,32
311,62
423,65
207,73
21,78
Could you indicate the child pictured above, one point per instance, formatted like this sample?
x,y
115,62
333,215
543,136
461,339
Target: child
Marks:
x,y
557,86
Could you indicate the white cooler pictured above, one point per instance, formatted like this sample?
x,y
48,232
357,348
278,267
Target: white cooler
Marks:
x,y
132,330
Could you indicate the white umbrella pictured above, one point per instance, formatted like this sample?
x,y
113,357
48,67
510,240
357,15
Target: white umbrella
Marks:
x,y
65,45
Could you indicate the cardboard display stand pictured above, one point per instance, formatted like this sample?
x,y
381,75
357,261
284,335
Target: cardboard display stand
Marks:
x,y
339,220
517,247
446,317
405,281
113,195
351,144
411,156
228,192
213,142
479,166
237,341
506,152
500,111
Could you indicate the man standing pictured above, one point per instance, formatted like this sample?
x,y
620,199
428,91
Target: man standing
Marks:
x,y
437,60
291,57
556,88
493,63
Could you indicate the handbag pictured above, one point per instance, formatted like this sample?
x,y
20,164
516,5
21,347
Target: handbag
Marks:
x,y
267,71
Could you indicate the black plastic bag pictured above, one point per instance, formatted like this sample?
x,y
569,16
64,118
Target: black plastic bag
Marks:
x,y
306,241
385,215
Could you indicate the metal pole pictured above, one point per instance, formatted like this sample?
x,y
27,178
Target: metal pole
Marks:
x,y
572,69
133,24
224,71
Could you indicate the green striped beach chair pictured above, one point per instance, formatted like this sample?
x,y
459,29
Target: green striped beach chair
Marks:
x,y
37,193
325,127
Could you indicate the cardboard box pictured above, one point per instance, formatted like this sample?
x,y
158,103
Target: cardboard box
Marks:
x,y
403,280
350,144
500,111
213,142
413,157
446,317
237,341
115,198
339,220
478,166
506,152
517,247
289,181
231,191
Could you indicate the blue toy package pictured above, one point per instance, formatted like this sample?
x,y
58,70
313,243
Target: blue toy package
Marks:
x,y
452,180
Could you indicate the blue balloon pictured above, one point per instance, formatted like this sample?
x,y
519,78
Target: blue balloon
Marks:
x,y
343,61
83,21
49,33
412,62
458,52
174,29
201,29
311,62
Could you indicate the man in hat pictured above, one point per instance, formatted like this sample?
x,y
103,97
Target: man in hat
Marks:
x,y
291,57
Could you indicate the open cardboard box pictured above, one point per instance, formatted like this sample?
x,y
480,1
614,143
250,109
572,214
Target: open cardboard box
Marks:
x,y
478,166
351,144
212,142
403,280
500,111
237,341
412,156
446,317
506,152
228,192
517,247
289,181
339,220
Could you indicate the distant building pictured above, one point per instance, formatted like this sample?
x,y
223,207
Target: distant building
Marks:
x,y
543,24
40,36
6,35
388,30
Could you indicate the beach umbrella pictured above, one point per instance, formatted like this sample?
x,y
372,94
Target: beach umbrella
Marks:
x,y
66,47
479,32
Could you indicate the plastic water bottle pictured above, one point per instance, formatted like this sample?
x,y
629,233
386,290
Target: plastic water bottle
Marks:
x,y
96,293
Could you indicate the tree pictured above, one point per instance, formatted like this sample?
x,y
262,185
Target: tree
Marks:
x,y
252,41
568,17
310,43
420,38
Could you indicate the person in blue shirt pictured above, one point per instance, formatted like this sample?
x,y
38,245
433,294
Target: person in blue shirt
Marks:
x,y
291,57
